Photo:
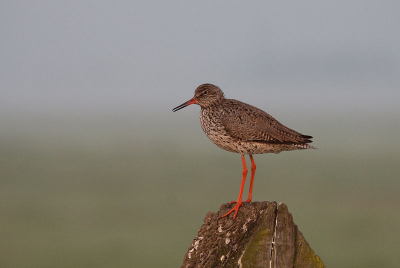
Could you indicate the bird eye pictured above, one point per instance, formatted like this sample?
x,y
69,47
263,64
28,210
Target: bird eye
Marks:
x,y
205,92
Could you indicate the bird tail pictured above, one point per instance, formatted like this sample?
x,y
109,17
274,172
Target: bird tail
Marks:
x,y
304,146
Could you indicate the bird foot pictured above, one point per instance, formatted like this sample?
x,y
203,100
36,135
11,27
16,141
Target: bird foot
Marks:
x,y
235,208
247,201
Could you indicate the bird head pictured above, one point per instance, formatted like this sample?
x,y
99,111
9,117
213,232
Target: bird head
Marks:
x,y
205,95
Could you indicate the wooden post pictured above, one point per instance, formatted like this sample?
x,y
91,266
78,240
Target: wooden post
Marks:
x,y
262,235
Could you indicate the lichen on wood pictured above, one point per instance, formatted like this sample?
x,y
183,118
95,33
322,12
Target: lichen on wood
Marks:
x,y
262,235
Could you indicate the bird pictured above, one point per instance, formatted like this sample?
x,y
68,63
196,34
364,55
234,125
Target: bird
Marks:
x,y
241,128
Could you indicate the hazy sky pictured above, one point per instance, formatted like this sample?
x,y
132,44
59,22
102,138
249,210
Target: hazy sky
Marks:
x,y
90,57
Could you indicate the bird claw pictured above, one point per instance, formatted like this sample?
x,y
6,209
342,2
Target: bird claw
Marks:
x,y
235,208
248,200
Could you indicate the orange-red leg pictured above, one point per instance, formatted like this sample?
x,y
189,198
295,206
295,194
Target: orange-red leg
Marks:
x,y
239,203
253,172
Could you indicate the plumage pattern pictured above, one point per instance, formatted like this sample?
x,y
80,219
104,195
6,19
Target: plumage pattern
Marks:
x,y
241,128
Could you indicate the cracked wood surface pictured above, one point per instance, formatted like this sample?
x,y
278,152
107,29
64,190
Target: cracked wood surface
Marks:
x,y
263,235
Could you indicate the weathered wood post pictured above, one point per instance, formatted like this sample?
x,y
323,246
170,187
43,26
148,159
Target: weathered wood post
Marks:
x,y
262,235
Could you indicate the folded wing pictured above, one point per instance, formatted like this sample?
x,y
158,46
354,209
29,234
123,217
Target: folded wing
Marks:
x,y
248,123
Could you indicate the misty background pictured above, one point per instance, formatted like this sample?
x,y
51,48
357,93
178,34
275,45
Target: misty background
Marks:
x,y
96,170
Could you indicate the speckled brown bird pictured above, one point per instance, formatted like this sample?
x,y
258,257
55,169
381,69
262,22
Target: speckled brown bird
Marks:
x,y
241,128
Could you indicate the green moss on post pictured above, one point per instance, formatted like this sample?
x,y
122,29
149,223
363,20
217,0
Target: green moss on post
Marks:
x,y
258,249
263,235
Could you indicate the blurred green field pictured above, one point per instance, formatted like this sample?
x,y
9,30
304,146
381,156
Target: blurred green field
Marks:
x,y
103,200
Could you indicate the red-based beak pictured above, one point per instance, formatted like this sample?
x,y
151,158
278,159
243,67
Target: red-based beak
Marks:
x,y
183,105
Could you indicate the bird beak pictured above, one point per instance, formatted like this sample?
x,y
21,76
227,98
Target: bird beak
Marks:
x,y
183,105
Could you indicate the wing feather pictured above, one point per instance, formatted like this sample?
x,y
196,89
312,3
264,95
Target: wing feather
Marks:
x,y
248,123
